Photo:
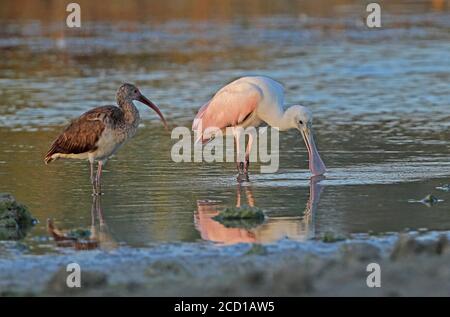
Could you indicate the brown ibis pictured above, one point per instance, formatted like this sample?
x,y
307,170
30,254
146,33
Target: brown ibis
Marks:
x,y
97,134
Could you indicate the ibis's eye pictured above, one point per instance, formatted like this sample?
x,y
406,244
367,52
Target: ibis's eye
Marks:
x,y
301,122
135,91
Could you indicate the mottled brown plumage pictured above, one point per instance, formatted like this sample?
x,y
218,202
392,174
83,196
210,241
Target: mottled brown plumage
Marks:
x,y
99,133
83,133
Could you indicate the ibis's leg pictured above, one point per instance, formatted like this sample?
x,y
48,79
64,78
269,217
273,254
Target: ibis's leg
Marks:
x,y
93,211
93,235
100,214
99,177
93,181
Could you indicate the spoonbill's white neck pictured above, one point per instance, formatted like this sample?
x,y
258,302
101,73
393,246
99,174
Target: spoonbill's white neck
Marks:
x,y
300,118
284,120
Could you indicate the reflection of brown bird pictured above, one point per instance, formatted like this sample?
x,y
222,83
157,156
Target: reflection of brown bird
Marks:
x,y
98,238
272,230
99,133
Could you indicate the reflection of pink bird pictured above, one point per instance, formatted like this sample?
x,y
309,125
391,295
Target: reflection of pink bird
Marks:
x,y
248,102
274,229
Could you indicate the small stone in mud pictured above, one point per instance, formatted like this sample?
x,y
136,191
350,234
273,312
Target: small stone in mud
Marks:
x,y
445,187
430,199
329,237
257,249
15,219
241,217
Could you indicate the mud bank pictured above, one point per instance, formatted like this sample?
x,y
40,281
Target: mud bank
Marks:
x,y
15,219
411,264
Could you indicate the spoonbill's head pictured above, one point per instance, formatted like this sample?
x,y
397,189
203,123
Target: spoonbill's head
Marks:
x,y
129,93
302,121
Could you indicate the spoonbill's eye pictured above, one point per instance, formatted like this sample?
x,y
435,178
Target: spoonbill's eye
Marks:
x,y
301,122
135,91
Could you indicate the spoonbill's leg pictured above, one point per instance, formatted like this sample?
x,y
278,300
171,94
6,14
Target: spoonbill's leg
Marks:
x,y
239,156
251,137
250,197
99,177
238,195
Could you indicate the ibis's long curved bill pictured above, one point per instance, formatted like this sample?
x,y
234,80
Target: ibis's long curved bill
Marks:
x,y
144,100
316,165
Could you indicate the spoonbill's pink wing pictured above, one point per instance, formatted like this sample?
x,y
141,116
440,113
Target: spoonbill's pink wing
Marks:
x,y
228,108
200,112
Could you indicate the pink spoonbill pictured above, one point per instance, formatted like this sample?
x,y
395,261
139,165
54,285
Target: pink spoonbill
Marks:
x,y
248,102
97,134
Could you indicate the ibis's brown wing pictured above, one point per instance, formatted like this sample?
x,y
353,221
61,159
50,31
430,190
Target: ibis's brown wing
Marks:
x,y
82,134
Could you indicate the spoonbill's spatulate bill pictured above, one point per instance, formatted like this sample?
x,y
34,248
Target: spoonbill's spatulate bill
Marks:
x,y
99,133
248,102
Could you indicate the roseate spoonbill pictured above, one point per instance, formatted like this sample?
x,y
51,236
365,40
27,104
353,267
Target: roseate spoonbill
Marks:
x,y
248,102
99,133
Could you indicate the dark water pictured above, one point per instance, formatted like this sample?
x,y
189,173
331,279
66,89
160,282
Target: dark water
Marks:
x,y
381,101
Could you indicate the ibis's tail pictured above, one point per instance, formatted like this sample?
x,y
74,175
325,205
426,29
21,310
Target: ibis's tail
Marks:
x,y
48,159
50,156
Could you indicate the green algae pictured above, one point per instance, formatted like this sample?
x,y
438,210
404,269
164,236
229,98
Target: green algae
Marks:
x,y
241,217
330,237
15,219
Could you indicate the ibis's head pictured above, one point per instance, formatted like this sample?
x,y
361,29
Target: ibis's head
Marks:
x,y
302,121
129,93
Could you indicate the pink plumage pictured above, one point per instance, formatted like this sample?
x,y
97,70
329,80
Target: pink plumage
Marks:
x,y
248,102
229,107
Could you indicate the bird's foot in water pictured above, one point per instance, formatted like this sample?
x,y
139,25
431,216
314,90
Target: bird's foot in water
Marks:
x,y
242,171
97,192
246,166
96,189
242,178
240,167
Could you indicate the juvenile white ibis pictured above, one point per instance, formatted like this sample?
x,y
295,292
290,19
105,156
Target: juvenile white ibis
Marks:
x,y
99,133
248,102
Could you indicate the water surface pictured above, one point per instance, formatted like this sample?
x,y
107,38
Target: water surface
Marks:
x,y
380,100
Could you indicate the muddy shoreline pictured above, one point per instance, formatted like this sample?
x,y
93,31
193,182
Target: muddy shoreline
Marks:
x,y
412,264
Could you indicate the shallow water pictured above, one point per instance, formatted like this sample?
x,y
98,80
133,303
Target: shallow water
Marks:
x,y
380,98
